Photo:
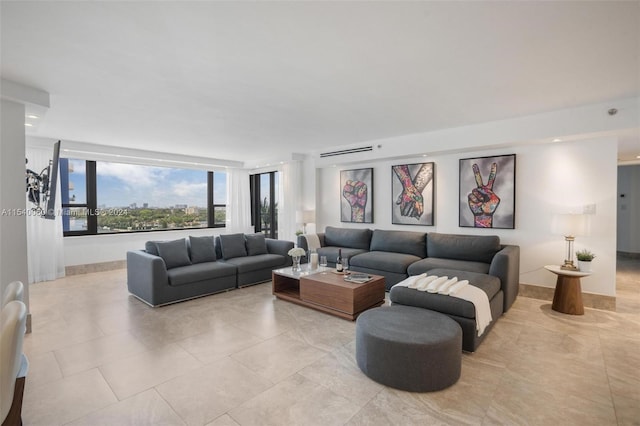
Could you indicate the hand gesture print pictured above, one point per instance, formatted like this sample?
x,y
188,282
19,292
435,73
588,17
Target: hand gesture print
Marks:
x,y
483,202
355,192
410,199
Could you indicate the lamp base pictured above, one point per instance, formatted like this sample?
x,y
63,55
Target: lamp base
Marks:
x,y
569,266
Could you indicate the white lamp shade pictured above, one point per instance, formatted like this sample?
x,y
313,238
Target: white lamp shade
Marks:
x,y
570,224
305,216
308,216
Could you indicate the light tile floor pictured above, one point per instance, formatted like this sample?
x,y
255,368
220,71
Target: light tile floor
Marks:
x,y
101,357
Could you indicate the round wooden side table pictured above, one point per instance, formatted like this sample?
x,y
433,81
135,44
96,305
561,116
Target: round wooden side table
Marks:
x,y
568,295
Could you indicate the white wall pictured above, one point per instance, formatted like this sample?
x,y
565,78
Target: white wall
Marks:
x,y
550,178
89,249
628,209
13,226
584,122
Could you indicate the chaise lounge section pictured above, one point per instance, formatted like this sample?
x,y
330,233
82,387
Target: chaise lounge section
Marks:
x,y
482,260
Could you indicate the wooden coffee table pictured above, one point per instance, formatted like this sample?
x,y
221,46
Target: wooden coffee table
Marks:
x,y
328,292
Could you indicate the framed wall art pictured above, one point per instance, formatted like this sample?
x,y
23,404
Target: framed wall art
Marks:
x,y
487,197
356,195
412,189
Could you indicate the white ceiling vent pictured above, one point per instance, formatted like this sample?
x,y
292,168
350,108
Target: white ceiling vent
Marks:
x,y
346,151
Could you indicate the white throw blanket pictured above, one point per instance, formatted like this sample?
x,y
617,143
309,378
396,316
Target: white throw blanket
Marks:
x,y
313,242
412,281
452,287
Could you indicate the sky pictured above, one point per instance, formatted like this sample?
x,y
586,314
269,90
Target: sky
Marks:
x,y
120,185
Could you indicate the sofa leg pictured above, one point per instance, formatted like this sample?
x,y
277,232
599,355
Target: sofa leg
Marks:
x,y
14,417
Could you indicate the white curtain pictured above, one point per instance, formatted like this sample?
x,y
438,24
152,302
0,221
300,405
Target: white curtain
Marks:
x,y
45,244
289,201
238,202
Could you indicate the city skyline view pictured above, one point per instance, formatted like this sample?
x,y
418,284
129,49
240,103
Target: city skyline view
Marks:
x,y
122,185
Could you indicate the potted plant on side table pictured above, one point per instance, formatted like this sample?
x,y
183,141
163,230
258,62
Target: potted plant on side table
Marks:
x,y
584,260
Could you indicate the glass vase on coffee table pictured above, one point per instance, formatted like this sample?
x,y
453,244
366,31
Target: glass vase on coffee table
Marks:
x,y
296,263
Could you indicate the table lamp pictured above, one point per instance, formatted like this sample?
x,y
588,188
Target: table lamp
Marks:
x,y
308,216
570,225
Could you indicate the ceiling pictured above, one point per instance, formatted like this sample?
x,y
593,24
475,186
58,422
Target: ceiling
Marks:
x,y
253,80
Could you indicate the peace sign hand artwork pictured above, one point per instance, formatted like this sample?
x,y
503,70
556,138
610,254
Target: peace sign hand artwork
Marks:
x,y
483,202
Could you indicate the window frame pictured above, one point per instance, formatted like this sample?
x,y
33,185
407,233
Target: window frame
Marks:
x,y
91,204
90,200
211,203
256,202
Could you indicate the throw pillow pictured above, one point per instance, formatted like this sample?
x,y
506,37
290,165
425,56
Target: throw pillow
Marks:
x,y
256,244
232,245
174,253
202,249
151,247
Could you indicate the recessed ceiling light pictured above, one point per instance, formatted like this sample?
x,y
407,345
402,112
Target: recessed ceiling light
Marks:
x,y
28,125
557,140
424,155
32,116
638,157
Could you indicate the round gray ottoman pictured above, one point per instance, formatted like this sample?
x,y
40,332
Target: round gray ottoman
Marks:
x,y
408,348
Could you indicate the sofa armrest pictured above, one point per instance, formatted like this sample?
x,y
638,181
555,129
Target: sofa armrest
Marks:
x,y
280,247
146,275
506,266
302,241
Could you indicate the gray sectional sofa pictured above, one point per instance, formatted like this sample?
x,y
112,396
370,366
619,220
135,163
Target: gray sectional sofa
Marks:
x,y
171,271
396,255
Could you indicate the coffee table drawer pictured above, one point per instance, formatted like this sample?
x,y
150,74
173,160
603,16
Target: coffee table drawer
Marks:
x,y
331,296
331,292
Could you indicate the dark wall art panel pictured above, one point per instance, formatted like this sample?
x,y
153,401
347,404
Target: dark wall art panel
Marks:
x,y
356,195
487,197
412,194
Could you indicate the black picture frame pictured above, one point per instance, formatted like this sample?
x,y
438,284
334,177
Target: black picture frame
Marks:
x,y
356,195
413,194
487,192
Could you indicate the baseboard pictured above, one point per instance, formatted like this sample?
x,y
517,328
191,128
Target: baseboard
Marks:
x,y
95,267
590,300
628,255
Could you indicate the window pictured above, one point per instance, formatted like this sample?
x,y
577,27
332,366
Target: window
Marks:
x,y
74,178
142,198
264,203
218,200
105,198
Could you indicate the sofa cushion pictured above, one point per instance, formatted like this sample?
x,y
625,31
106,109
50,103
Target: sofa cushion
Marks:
x,y
256,244
174,253
399,242
332,253
348,238
184,275
232,245
425,265
463,247
151,247
257,262
384,261
487,283
202,249
443,303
